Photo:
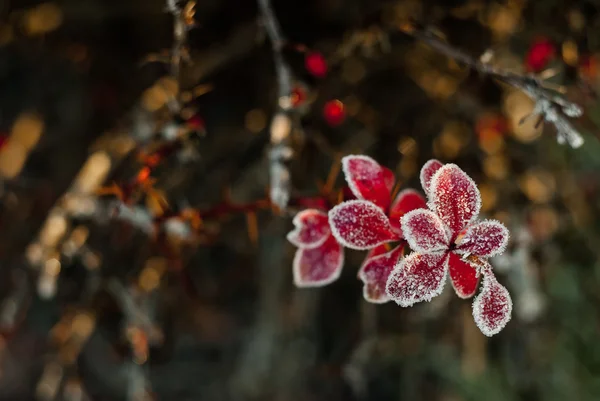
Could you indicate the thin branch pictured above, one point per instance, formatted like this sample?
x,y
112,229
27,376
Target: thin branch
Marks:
x,y
550,106
281,125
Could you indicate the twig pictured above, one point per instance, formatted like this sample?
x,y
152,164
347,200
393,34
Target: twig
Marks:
x,y
281,125
549,105
181,25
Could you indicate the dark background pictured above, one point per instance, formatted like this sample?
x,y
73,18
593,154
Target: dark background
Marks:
x,y
233,327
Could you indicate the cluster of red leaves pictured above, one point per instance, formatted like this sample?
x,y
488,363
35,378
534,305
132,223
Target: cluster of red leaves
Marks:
x,y
444,235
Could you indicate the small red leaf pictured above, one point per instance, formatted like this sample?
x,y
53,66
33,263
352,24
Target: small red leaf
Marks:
x,y
427,172
312,229
418,277
315,64
334,112
492,308
464,277
368,180
406,201
374,274
424,231
319,266
454,198
485,239
360,224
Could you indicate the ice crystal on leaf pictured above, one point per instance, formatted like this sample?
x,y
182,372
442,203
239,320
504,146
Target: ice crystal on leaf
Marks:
x,y
373,220
319,258
446,239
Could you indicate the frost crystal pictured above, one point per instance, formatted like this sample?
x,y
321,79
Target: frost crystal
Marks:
x,y
418,277
424,231
374,274
319,266
368,180
492,308
312,229
485,239
360,224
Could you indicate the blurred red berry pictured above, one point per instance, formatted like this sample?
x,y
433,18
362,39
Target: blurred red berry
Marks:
x,y
298,96
315,64
540,53
195,123
334,112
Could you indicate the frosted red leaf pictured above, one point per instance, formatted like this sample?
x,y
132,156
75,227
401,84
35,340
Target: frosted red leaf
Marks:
x,y
427,172
312,229
360,224
418,277
424,231
318,266
485,239
378,250
374,274
492,307
454,197
406,201
464,277
368,180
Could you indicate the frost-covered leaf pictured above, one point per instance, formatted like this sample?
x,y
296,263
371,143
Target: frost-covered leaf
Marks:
x,y
424,231
492,308
368,180
318,266
360,224
464,277
418,277
485,239
454,197
406,201
312,229
374,274
427,172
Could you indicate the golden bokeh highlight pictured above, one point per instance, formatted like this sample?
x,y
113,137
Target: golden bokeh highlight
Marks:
x,y
27,130
517,106
538,185
42,19
12,159
255,120
570,53
544,222
496,167
489,196
93,173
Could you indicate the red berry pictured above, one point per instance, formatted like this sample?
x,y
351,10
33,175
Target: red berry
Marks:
x,y
334,112
196,122
315,64
540,53
298,96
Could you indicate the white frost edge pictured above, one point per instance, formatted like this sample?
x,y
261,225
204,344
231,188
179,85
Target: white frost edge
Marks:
x,y
422,174
398,269
488,281
300,283
434,182
336,233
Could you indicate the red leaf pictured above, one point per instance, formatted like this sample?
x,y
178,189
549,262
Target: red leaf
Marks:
x,y
319,266
427,172
492,308
485,239
312,229
374,274
406,201
424,231
464,277
378,250
418,277
360,224
368,180
454,198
